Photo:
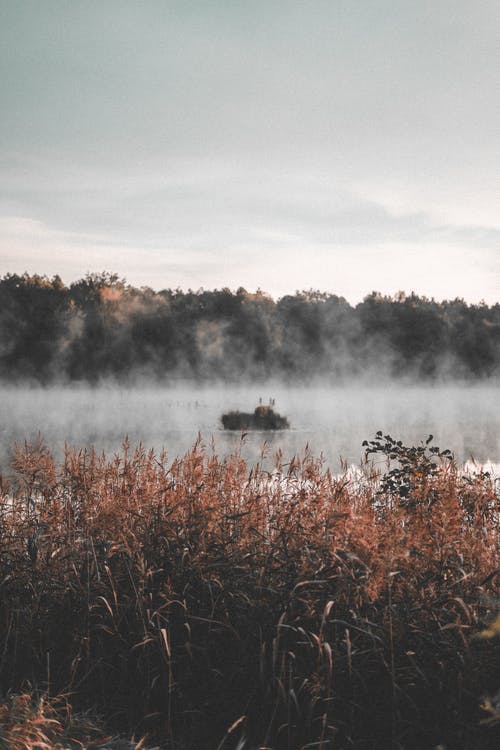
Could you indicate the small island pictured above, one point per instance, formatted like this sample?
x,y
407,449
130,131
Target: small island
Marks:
x,y
263,418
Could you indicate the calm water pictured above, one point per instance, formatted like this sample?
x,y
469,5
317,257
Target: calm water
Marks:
x,y
331,421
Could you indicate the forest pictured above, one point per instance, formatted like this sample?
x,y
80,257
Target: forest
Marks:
x,y
101,327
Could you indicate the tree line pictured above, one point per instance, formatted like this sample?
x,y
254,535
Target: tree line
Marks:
x,y
101,327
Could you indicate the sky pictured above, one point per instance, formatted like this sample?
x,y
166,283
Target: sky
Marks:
x,y
340,145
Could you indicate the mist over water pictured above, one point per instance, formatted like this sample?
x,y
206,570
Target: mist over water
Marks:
x,y
332,421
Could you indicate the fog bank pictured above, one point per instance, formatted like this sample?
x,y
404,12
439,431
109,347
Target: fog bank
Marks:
x,y
332,421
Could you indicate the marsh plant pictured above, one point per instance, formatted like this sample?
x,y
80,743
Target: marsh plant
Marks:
x,y
205,603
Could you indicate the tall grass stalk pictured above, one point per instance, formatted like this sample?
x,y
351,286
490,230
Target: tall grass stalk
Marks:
x,y
205,603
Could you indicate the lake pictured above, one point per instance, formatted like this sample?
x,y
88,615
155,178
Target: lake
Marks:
x,y
332,421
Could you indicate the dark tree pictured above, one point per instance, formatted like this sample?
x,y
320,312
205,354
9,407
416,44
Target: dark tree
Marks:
x,y
102,327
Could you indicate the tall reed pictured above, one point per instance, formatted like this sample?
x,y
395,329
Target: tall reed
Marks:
x,y
206,603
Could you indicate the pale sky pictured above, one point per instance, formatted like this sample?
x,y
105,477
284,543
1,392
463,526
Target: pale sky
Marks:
x,y
344,145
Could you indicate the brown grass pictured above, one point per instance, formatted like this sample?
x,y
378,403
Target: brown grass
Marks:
x,y
209,604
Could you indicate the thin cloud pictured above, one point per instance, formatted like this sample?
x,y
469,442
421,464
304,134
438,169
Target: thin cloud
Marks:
x,y
195,142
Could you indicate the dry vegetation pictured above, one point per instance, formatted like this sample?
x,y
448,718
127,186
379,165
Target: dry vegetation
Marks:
x,y
209,604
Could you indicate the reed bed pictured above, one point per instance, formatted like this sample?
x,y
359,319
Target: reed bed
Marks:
x,y
204,603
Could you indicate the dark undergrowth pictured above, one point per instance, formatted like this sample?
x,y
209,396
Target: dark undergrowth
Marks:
x,y
208,604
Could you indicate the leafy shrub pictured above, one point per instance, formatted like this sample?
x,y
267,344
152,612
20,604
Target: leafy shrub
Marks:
x,y
417,466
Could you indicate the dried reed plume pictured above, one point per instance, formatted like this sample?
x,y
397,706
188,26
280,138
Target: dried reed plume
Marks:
x,y
204,603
